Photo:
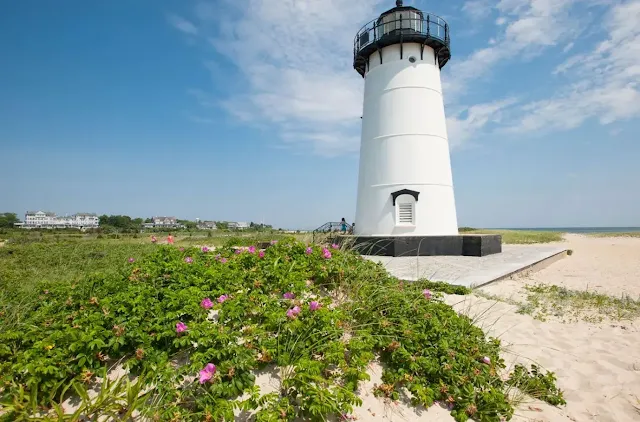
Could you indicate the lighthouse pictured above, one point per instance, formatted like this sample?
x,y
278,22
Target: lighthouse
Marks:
x,y
405,186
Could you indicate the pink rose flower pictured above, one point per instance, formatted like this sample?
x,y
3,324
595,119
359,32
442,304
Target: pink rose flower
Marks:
x,y
206,303
207,373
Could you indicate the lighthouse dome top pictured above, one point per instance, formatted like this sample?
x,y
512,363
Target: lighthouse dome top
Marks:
x,y
402,24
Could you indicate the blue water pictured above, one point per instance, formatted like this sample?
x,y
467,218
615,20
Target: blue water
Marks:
x,y
578,229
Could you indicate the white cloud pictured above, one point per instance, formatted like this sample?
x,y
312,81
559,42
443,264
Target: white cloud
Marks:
x,y
534,26
467,122
295,60
478,9
182,24
603,82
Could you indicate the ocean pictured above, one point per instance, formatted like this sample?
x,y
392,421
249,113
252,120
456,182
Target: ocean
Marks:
x,y
577,229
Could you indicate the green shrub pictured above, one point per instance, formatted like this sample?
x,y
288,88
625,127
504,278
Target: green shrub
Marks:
x,y
73,330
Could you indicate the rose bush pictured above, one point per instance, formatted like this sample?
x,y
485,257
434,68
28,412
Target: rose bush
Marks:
x,y
320,316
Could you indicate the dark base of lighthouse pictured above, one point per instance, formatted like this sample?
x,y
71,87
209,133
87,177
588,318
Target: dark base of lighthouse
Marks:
x,y
460,245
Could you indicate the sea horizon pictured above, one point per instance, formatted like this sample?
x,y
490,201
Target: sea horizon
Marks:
x,y
573,229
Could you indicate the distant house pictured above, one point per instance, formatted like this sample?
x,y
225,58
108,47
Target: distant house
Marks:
x,y
238,225
49,220
163,223
207,225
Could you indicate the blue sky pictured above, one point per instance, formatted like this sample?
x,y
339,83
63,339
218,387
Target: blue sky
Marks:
x,y
249,110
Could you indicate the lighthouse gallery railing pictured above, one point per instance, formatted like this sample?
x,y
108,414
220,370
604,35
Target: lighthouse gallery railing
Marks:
x,y
430,26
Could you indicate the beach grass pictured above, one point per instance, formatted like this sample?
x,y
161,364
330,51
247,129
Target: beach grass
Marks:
x,y
572,305
519,237
616,234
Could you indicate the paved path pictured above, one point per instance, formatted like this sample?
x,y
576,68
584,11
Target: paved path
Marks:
x,y
468,270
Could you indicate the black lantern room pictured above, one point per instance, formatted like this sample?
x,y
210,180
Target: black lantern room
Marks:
x,y
402,24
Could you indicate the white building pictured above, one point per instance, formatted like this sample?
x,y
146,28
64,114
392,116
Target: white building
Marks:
x,y
163,223
238,225
49,220
206,225
405,185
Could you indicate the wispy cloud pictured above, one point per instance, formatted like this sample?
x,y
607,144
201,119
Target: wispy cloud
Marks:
x,y
295,60
602,83
182,24
478,9
465,123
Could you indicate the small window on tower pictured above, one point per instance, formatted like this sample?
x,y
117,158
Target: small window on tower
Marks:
x,y
404,202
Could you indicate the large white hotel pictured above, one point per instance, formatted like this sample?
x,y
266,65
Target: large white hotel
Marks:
x,y
49,220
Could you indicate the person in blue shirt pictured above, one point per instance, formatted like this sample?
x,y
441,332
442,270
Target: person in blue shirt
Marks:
x,y
343,225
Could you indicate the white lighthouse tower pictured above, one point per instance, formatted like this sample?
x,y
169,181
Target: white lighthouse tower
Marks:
x,y
405,186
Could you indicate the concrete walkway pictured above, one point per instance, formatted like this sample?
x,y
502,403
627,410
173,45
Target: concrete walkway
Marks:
x,y
471,271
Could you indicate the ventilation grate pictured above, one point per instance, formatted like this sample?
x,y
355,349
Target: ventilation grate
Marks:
x,y
405,213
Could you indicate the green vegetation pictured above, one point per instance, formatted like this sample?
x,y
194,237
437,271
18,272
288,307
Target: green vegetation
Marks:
x,y
616,234
8,219
442,287
194,327
570,305
538,384
520,237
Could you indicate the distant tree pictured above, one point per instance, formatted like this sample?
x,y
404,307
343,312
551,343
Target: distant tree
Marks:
x,y
222,225
121,223
8,219
148,220
187,223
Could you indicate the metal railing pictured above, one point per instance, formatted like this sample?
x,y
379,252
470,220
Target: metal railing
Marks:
x,y
430,26
330,227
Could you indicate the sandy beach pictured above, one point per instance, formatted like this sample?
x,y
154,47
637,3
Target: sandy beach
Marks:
x,y
597,365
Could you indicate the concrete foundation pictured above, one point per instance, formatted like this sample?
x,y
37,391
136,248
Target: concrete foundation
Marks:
x,y
397,246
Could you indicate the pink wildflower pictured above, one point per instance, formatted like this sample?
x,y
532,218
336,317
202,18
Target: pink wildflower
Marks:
x,y
288,295
206,303
181,249
223,260
273,242
153,239
326,253
205,249
222,298
308,251
426,293
238,251
132,260
291,314
188,260
486,360
207,373
335,246
181,327
314,306
296,310
261,254
252,249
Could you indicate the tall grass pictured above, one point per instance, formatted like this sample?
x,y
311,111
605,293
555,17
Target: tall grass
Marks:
x,y
519,237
